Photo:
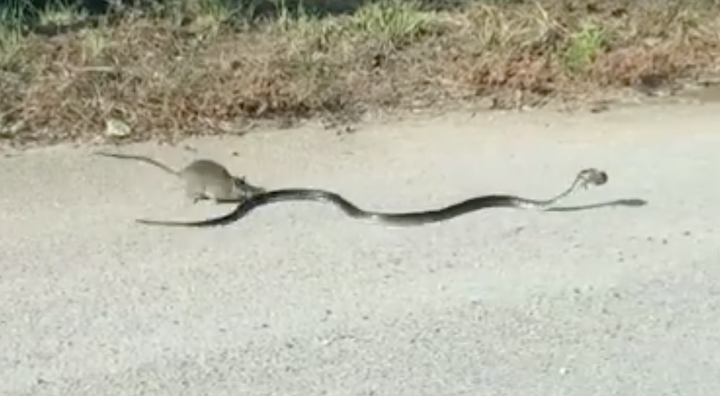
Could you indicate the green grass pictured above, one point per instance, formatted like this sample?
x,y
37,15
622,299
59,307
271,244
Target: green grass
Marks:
x,y
395,22
585,45
61,12
11,35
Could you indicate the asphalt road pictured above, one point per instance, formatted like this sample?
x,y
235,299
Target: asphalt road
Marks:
x,y
297,299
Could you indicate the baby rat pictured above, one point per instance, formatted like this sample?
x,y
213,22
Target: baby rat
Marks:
x,y
204,179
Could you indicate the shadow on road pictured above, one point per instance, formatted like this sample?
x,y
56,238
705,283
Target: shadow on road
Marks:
x,y
634,202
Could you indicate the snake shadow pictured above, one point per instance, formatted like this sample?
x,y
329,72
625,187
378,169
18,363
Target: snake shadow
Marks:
x,y
633,202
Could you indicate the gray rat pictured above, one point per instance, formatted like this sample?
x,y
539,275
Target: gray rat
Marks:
x,y
204,179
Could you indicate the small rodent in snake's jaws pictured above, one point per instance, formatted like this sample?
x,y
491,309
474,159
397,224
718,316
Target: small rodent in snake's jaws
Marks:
x,y
204,179
586,178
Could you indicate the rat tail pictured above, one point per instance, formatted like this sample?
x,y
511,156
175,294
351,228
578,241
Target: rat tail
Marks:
x,y
140,158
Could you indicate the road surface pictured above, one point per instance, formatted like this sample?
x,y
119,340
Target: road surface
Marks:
x,y
299,300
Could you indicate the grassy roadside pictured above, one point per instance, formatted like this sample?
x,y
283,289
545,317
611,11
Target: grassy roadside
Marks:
x,y
205,66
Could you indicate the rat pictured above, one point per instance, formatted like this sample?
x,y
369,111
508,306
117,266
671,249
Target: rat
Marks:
x,y
204,179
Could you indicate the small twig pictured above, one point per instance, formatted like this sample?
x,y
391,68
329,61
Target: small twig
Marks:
x,y
99,69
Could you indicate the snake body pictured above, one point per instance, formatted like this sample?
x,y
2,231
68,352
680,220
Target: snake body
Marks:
x,y
586,178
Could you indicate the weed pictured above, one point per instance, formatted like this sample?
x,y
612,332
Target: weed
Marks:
x,y
12,39
584,46
61,12
94,45
395,22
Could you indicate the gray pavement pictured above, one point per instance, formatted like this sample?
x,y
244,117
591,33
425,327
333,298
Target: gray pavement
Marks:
x,y
297,299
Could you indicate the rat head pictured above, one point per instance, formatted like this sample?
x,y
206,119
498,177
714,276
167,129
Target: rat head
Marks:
x,y
246,189
592,177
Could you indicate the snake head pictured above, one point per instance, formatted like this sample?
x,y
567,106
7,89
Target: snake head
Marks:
x,y
592,177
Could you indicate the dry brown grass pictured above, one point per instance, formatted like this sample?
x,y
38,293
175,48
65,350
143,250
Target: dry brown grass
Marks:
x,y
171,74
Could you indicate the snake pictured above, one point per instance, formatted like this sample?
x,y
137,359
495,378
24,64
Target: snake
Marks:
x,y
586,178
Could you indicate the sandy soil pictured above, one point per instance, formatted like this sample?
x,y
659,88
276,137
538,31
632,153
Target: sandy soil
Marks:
x,y
297,299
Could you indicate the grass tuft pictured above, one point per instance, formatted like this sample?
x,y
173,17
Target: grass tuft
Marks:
x,y
585,45
11,36
395,22
62,13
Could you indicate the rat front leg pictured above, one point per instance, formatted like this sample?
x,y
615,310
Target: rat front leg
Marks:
x,y
195,198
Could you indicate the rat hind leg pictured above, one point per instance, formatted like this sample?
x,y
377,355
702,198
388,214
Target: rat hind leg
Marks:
x,y
195,194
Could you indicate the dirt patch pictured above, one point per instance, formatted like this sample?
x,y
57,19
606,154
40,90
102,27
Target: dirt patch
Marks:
x,y
167,72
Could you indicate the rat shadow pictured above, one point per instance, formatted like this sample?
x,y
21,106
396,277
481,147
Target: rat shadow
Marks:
x,y
634,202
